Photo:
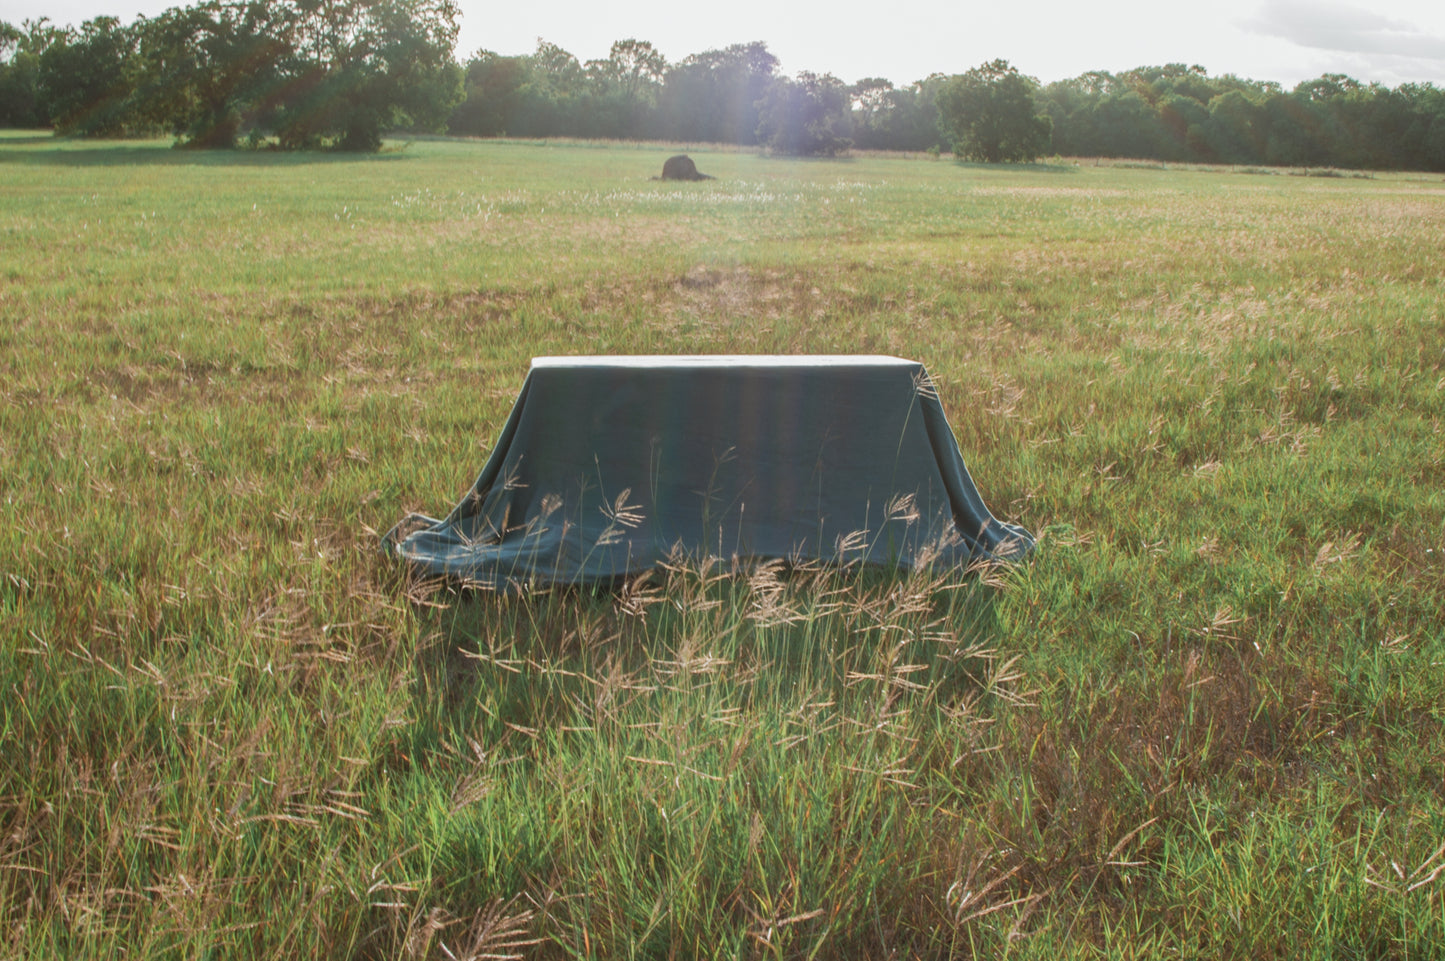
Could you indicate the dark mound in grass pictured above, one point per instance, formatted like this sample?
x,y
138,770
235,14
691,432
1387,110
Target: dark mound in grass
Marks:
x,y
681,167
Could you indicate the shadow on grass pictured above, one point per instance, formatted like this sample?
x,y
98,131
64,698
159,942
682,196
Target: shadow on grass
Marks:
x,y
65,152
1035,168
820,159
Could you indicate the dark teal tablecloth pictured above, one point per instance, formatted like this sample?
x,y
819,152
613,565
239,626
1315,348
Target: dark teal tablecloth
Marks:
x,y
607,465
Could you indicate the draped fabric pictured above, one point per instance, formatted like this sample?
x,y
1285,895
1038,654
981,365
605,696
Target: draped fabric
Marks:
x,y
608,466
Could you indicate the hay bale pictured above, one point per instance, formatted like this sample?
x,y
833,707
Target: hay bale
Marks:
x,y
681,167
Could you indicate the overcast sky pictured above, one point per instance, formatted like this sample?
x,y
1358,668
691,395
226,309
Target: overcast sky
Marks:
x,y
1389,41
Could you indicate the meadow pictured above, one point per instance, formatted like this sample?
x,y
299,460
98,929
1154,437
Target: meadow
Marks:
x,y
1206,719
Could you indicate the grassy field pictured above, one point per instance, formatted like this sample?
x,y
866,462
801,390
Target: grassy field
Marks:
x,y
1207,719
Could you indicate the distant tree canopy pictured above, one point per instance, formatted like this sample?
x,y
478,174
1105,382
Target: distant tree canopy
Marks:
x,y
896,118
305,71
1180,113
21,48
88,78
809,116
715,95
990,114
341,73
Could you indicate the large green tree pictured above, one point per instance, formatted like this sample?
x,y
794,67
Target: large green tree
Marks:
x,y
886,117
361,67
556,95
214,67
492,97
22,103
809,116
88,78
312,72
714,95
990,114
626,86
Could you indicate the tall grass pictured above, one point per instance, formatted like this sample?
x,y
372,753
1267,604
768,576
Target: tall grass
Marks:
x,y
1205,719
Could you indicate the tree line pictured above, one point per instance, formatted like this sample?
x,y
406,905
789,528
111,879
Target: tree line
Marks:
x,y
303,73
341,73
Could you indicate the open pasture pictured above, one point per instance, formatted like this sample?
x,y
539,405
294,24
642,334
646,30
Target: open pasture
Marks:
x,y
1208,718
